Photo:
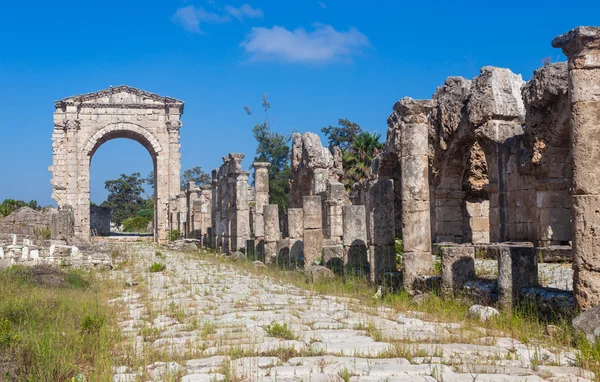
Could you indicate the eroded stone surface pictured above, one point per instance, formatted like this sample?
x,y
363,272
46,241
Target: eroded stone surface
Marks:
x,y
218,319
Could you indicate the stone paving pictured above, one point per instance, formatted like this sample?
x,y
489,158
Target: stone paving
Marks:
x,y
203,320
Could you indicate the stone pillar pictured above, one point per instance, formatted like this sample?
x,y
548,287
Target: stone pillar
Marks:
x,y
313,229
517,269
215,213
416,226
458,267
381,229
336,198
296,233
582,47
242,215
272,232
355,239
261,199
224,198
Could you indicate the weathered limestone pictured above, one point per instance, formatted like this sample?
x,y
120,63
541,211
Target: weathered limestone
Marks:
x,y
416,231
381,229
296,233
582,47
313,230
336,198
517,269
312,167
458,267
83,123
355,239
62,225
272,232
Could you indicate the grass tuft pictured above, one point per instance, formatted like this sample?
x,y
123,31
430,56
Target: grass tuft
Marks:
x,y
157,267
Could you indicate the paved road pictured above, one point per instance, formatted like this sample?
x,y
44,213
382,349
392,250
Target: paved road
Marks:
x,y
203,320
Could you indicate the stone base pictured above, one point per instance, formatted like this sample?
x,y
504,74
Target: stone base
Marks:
x,y
517,269
458,267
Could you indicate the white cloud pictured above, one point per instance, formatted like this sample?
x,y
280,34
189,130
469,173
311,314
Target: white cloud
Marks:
x,y
324,44
244,12
322,5
191,17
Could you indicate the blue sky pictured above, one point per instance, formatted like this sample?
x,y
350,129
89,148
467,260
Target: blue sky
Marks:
x,y
317,61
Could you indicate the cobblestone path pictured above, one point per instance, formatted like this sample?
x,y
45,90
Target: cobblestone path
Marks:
x,y
203,320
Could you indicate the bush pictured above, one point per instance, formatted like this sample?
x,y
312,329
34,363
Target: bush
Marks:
x,y
157,267
174,235
136,224
280,331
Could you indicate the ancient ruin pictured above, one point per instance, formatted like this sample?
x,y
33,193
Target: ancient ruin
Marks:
x,y
83,123
493,166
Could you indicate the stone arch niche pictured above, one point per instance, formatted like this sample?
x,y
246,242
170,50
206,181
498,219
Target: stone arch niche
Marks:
x,y
462,203
84,123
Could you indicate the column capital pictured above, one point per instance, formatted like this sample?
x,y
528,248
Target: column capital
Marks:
x,y
261,165
577,43
173,126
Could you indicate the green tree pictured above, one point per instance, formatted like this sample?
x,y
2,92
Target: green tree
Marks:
x,y
9,206
273,148
357,160
197,175
125,197
342,135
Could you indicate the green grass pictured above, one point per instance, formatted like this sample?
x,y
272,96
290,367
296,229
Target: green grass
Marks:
x,y
54,326
157,267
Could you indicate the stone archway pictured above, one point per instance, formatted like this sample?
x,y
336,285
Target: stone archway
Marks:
x,y
83,123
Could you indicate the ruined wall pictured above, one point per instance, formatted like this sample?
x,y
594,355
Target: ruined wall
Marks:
x,y
100,220
27,222
548,143
312,166
498,158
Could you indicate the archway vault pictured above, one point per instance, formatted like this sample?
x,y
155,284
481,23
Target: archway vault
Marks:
x,y
83,123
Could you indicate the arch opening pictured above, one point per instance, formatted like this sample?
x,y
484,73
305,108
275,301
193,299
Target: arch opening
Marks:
x,y
106,164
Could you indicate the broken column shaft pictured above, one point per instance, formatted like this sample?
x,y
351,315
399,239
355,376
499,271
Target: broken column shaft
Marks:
x,y
582,47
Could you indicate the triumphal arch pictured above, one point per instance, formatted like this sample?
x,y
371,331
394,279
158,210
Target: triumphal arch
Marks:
x,y
83,123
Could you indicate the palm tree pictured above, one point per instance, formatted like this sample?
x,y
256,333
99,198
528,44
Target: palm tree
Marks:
x,y
357,160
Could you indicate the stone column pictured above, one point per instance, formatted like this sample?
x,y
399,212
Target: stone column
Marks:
x,y
215,209
458,267
582,47
355,239
272,232
381,229
416,226
313,229
224,189
517,269
242,214
296,233
336,198
261,199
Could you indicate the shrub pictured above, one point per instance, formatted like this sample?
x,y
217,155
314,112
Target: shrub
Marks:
x,y
174,235
157,267
280,331
92,323
136,224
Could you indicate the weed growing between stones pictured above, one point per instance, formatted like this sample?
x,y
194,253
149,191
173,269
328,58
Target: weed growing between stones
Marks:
x,y
280,331
524,323
157,267
55,325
